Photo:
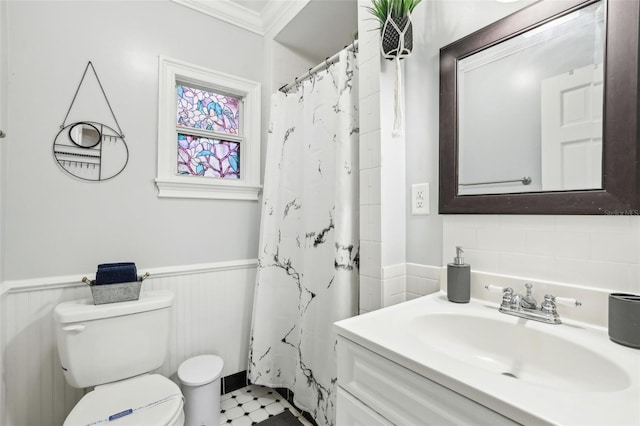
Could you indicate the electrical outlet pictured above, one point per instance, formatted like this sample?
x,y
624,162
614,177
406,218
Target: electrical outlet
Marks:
x,y
420,199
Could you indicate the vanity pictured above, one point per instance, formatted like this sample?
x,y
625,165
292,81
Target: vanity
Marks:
x,y
432,362
556,65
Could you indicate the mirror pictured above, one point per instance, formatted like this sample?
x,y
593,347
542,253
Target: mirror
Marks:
x,y
539,112
544,87
84,135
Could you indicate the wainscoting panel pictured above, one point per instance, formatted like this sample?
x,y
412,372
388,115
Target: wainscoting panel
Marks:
x,y
211,315
37,393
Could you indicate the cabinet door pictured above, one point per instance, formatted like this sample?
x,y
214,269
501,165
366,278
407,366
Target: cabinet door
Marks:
x,y
352,412
404,397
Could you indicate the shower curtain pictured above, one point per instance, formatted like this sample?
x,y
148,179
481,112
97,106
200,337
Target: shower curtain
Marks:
x,y
307,274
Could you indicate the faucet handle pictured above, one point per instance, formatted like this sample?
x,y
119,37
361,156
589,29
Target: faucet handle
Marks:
x,y
497,289
550,301
549,305
507,293
567,301
494,288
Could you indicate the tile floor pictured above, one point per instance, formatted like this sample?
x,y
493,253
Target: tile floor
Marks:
x,y
252,404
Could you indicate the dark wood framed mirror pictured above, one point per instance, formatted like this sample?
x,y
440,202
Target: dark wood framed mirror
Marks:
x,y
531,182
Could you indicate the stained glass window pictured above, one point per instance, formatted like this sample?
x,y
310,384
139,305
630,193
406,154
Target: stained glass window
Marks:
x,y
202,109
199,156
208,133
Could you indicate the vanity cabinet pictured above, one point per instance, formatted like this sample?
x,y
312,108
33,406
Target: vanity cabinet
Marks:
x,y
375,391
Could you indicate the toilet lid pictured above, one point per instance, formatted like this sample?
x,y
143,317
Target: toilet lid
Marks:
x,y
143,400
200,370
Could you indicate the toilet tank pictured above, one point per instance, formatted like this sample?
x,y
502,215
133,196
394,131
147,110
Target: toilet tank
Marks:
x,y
104,343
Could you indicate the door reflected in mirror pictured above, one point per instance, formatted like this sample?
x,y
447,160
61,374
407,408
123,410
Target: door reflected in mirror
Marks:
x,y
530,109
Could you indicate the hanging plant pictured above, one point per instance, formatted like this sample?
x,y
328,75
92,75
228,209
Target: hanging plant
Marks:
x,y
396,28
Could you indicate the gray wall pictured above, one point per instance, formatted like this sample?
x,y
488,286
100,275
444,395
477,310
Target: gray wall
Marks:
x,y
58,225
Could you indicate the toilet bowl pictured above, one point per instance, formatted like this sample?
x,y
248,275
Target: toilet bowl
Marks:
x,y
114,347
150,399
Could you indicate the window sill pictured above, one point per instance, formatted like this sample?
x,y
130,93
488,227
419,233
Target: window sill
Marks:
x,y
177,188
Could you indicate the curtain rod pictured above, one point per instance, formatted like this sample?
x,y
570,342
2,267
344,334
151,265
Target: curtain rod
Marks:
x,y
320,67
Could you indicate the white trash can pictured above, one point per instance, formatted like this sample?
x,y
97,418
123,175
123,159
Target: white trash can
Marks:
x,y
200,378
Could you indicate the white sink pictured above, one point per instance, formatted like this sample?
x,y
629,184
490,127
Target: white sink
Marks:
x,y
530,372
514,349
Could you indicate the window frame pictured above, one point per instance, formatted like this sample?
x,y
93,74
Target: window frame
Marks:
x,y
173,185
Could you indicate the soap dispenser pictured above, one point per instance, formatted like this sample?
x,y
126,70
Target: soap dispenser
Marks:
x,y
458,279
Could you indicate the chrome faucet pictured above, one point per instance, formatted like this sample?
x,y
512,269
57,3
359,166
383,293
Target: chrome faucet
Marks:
x,y
525,306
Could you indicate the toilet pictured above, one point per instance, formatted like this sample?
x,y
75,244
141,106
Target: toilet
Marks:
x,y
200,378
114,347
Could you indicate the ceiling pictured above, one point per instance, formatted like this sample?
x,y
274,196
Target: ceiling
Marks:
x,y
320,28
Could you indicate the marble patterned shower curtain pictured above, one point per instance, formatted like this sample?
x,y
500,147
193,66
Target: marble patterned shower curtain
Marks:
x,y
309,244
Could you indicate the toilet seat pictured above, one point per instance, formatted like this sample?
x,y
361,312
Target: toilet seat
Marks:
x,y
150,399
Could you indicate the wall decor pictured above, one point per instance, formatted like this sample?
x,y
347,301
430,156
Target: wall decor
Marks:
x,y
396,42
91,150
396,29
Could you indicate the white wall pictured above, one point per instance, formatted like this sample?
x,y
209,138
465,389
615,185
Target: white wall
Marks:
x,y
287,65
597,251
58,225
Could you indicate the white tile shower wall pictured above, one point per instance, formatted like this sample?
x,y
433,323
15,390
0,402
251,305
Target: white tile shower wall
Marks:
x,y
369,74
370,294
211,314
393,284
393,188
382,188
401,282
370,164
593,251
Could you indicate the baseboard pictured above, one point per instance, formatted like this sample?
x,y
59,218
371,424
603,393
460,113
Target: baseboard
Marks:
x,y
234,382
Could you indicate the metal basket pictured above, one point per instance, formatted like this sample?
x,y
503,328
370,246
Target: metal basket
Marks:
x,y
113,293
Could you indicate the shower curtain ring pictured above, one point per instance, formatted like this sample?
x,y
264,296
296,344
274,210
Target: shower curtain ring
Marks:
x,y
326,61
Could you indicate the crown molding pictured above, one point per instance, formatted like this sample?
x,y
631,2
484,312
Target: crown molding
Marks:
x,y
227,11
241,16
277,13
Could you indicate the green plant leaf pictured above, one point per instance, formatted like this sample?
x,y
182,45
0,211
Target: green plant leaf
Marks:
x,y
380,9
